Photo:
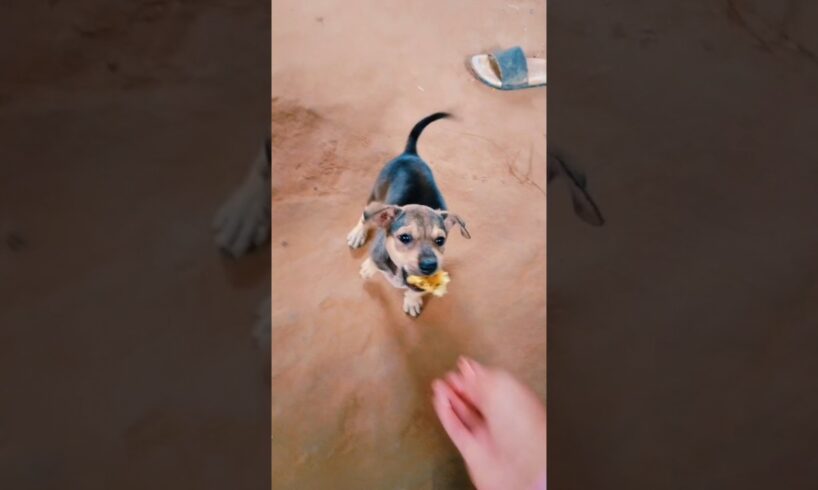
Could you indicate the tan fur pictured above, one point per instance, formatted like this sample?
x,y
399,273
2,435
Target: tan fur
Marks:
x,y
423,224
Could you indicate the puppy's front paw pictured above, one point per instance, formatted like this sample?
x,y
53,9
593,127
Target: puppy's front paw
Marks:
x,y
412,304
368,268
357,237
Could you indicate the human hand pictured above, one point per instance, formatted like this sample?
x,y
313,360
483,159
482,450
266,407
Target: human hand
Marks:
x,y
497,424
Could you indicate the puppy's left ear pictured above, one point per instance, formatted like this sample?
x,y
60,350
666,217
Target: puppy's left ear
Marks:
x,y
450,220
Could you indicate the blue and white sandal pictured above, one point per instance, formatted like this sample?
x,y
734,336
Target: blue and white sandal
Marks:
x,y
509,69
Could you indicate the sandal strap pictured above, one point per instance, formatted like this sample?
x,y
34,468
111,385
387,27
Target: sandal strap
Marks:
x,y
512,66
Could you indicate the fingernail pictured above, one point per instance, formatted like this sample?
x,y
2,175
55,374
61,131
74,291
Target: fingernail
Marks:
x,y
436,386
466,366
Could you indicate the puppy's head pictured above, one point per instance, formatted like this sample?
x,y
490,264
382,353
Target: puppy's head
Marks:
x,y
415,235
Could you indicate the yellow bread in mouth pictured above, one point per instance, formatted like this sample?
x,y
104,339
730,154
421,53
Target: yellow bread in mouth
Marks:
x,y
435,284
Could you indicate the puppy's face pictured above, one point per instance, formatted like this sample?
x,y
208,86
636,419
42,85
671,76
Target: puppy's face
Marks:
x,y
416,235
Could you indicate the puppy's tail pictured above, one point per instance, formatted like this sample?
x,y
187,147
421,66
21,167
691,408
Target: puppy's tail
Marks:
x,y
411,143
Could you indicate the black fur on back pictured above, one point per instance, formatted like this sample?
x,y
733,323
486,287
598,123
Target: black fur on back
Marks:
x,y
407,179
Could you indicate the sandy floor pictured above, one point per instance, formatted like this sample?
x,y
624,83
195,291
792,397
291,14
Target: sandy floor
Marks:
x,y
350,375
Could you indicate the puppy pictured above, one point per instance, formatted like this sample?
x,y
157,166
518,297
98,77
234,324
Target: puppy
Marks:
x,y
412,222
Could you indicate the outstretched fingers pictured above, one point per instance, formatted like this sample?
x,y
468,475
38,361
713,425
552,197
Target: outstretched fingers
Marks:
x,y
471,378
444,403
464,408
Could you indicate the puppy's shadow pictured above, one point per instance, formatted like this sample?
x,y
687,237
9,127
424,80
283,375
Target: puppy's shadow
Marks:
x,y
376,292
431,342
431,347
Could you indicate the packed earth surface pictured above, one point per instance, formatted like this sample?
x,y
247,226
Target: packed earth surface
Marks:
x,y
351,372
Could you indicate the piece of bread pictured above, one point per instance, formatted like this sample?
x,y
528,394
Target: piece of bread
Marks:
x,y
435,284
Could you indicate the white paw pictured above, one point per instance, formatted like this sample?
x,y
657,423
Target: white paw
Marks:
x,y
243,221
412,304
357,237
368,268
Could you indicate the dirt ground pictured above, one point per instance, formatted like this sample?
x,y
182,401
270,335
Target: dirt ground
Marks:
x,y
350,371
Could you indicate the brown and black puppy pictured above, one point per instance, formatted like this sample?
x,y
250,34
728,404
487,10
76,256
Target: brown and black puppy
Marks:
x,y
412,222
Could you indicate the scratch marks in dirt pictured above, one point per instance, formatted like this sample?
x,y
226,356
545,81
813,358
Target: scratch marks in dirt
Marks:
x,y
525,178
511,163
305,156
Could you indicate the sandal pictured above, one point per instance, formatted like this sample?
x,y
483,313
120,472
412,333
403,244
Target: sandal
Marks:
x,y
509,69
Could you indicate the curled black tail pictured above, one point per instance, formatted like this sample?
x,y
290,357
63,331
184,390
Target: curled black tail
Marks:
x,y
411,143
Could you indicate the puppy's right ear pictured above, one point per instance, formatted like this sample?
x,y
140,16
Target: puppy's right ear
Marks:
x,y
380,214
450,220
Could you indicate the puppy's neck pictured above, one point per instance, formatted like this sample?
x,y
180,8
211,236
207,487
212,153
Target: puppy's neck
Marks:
x,y
399,274
380,255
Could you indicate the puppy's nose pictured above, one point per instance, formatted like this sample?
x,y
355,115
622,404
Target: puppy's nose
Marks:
x,y
428,265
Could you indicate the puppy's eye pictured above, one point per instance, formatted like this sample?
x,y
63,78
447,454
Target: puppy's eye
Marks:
x,y
440,241
405,238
